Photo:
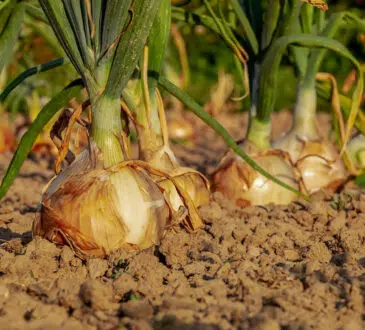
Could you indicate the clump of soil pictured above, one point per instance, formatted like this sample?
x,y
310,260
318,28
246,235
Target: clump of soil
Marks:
x,y
299,266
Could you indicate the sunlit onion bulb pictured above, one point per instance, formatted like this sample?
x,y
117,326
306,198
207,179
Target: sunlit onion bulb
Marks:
x,y
317,161
97,211
237,181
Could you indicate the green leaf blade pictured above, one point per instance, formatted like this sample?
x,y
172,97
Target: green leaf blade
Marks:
x,y
130,46
28,73
360,180
10,34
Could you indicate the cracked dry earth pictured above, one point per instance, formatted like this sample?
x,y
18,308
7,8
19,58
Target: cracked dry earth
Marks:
x,y
299,266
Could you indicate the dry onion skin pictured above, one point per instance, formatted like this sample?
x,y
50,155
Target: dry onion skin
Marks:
x,y
237,181
96,210
192,182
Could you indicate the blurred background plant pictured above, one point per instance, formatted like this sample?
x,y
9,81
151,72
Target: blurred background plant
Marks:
x,y
30,41
197,60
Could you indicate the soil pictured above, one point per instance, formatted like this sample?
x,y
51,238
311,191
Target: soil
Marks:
x,y
299,266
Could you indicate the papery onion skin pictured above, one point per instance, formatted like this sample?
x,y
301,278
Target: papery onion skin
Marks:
x,y
192,182
237,181
99,211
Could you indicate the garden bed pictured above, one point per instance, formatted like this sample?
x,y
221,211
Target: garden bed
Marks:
x,y
299,266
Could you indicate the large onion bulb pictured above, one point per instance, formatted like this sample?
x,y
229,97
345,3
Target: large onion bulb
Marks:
x,y
97,210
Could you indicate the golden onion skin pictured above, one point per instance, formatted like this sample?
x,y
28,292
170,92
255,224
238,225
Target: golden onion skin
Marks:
x,y
237,181
192,182
101,210
317,161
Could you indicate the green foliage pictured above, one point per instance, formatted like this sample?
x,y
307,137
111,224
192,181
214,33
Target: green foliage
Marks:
x,y
11,18
360,180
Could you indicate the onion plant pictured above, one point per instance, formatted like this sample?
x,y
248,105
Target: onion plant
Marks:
x,y
264,44
143,98
316,158
103,200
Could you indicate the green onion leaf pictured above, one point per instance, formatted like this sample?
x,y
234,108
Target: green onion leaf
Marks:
x,y
28,73
130,46
360,180
10,33
271,64
57,16
248,29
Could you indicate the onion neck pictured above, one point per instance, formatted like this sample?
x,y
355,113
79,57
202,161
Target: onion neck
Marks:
x,y
259,128
305,111
149,131
107,128
259,133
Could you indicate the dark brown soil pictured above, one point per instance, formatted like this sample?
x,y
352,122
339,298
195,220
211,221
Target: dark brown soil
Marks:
x,y
300,266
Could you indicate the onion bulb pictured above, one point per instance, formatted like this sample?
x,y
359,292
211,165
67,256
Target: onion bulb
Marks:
x,y
318,162
179,127
316,159
96,210
238,181
195,184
